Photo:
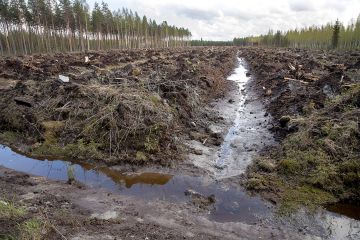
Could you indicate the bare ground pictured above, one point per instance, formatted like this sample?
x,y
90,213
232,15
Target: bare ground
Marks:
x,y
79,212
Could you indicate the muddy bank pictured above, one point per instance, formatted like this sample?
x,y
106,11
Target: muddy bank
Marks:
x,y
161,203
123,106
74,211
314,99
295,81
242,129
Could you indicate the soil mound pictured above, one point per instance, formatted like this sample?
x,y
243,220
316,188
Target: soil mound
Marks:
x,y
118,106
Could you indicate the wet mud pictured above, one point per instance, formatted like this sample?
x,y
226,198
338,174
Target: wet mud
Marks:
x,y
199,198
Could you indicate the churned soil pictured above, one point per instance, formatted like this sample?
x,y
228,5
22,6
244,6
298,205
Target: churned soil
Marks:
x,y
138,106
119,106
314,98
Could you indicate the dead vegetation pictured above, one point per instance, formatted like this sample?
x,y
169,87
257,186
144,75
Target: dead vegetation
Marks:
x,y
318,125
124,106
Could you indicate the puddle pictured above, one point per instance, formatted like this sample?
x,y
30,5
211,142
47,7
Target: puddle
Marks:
x,y
232,204
247,136
349,210
85,173
249,132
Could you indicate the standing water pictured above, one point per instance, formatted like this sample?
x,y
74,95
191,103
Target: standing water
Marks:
x,y
249,132
232,204
246,137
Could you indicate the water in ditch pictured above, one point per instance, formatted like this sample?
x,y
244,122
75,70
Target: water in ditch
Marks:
x,y
249,132
246,136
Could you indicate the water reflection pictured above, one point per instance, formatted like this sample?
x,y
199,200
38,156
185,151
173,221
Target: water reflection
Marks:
x,y
232,204
83,172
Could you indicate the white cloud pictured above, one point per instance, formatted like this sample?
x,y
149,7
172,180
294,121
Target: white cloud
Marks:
x,y
226,19
301,5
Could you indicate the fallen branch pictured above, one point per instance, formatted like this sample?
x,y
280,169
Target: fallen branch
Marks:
x,y
295,80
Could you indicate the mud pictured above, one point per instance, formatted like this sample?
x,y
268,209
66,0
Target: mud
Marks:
x,y
220,134
243,129
305,91
81,212
121,106
289,79
222,202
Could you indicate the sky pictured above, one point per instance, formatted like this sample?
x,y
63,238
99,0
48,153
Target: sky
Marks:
x,y
226,19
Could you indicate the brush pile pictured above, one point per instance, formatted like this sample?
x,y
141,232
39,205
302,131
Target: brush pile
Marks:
x,y
118,106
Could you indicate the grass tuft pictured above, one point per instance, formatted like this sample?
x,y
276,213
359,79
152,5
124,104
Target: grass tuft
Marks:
x,y
10,210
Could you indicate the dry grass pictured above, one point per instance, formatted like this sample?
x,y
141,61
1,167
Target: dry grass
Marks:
x,y
112,112
320,159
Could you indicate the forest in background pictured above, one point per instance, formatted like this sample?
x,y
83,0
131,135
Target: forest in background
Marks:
x,y
202,42
44,26
329,36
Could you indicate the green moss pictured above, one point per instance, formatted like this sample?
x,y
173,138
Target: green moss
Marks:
x,y
350,172
7,237
9,137
82,150
308,158
326,129
324,177
289,166
78,150
13,120
136,72
51,130
293,197
298,141
319,163
47,149
21,227
50,146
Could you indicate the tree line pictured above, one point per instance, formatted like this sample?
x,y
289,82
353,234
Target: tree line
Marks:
x,y
328,36
43,26
202,42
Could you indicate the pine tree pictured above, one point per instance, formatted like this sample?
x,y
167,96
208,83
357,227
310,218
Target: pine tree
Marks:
x,y
67,25
336,34
321,37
